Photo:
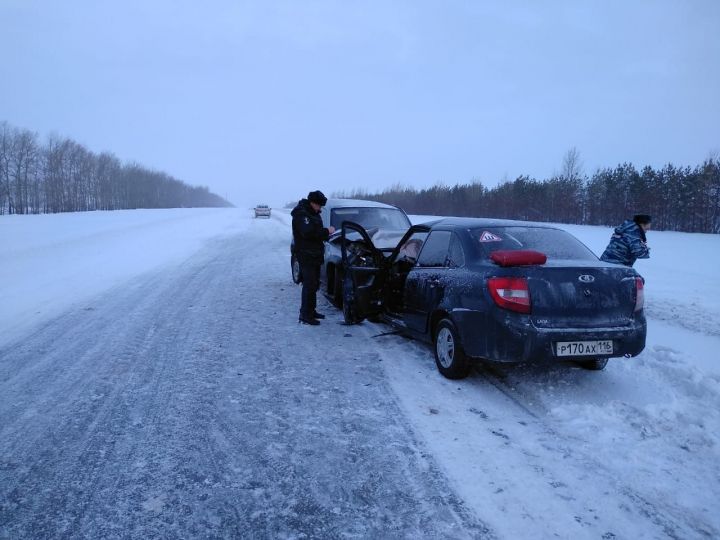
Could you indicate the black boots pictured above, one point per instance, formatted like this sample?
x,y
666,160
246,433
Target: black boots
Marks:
x,y
311,321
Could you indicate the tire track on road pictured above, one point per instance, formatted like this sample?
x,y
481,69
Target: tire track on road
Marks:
x,y
657,512
192,404
548,452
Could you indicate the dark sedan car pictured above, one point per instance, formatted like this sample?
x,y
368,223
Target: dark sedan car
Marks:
x,y
495,290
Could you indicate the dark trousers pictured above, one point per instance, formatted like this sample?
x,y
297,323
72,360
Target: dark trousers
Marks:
x,y
310,284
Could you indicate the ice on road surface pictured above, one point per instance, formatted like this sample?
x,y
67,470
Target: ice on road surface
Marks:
x,y
190,403
178,397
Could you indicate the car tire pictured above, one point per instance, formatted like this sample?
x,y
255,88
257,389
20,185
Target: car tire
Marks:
x,y
449,355
348,302
295,269
596,364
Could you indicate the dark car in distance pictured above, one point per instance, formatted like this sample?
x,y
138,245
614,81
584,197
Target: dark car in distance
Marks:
x,y
494,290
374,216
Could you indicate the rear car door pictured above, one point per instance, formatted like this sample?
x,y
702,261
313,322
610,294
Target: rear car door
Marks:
x,y
425,283
401,261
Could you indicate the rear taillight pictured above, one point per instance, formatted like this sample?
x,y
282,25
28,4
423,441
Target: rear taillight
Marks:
x,y
510,293
639,293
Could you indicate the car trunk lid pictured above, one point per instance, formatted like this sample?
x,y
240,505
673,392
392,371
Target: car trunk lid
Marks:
x,y
580,296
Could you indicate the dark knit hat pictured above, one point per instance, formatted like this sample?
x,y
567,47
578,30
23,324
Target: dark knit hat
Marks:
x,y
641,219
317,197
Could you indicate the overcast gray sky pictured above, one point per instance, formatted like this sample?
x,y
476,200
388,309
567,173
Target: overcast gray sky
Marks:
x,y
263,101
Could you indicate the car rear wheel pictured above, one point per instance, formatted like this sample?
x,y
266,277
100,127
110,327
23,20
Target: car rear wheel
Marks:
x,y
596,364
449,355
295,267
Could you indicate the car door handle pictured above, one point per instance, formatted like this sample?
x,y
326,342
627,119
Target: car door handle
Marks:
x,y
433,282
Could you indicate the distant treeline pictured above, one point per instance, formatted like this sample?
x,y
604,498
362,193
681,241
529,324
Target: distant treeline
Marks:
x,y
678,198
62,175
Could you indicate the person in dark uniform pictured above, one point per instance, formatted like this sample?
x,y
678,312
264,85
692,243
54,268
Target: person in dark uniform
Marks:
x,y
629,242
309,236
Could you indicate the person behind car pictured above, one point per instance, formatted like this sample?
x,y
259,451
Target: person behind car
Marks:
x,y
629,242
309,235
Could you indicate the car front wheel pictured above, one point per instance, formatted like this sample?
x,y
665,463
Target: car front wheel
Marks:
x,y
449,355
338,283
349,308
295,267
596,364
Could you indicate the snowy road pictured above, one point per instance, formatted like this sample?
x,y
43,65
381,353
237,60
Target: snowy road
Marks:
x,y
190,403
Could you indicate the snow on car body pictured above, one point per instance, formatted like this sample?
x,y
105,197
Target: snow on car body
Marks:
x,y
497,290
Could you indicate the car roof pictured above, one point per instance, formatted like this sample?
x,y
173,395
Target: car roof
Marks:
x,y
340,203
472,223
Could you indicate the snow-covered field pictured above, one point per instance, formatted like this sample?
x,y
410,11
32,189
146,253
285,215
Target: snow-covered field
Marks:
x,y
513,452
51,262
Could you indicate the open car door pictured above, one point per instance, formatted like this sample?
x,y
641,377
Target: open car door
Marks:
x,y
401,250
402,259
364,270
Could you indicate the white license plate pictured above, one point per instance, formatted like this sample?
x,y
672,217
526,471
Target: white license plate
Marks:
x,y
583,348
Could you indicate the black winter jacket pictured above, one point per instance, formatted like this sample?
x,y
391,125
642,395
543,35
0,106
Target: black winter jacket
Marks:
x,y
308,233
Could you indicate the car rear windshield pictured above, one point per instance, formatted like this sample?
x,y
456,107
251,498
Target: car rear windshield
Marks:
x,y
369,217
554,243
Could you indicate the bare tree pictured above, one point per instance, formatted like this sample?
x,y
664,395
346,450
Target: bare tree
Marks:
x,y
23,168
572,165
6,143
